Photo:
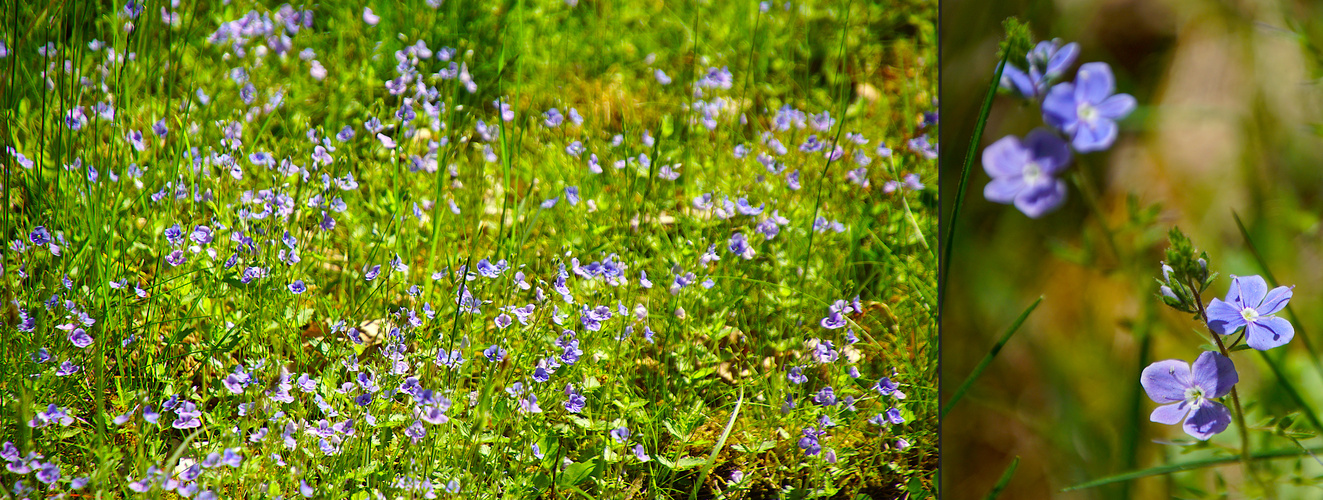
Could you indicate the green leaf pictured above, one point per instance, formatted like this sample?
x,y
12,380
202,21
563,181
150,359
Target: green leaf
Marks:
x,y
1005,479
759,448
689,463
987,359
574,474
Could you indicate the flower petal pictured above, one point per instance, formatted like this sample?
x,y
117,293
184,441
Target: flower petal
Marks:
x,y
1208,419
1046,148
1171,414
1267,333
1165,381
1215,373
1275,301
1059,108
1095,136
1224,318
1005,158
1014,79
1116,107
1094,83
1251,290
1041,199
1004,189
1062,59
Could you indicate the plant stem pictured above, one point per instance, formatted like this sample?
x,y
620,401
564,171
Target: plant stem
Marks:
x,y
1091,199
1245,457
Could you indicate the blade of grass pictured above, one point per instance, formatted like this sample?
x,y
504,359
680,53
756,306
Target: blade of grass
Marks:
x,y
716,449
1292,391
1005,479
1197,464
987,359
945,265
1272,281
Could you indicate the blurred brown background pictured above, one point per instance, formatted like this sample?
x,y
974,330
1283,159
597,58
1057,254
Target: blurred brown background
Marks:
x,y
1228,119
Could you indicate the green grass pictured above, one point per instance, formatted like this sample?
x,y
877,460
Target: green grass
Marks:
x,y
703,398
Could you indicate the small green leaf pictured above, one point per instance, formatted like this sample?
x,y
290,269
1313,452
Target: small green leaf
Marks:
x,y
574,474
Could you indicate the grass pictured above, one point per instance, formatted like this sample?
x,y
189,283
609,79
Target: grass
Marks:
x,y
242,345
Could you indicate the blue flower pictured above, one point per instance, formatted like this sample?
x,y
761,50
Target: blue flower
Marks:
x,y
1186,393
893,415
80,339
1087,110
796,375
1047,62
620,435
1024,173
297,287
809,443
1250,304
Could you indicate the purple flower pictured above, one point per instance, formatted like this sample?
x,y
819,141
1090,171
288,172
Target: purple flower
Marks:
x,y
80,339
39,236
640,453
1250,304
1024,173
893,415
232,457
416,432
370,18
796,375
1047,62
833,321
297,287
1087,110
575,402
188,416
1186,393
67,368
825,397
620,435
810,442
885,386
176,258
529,404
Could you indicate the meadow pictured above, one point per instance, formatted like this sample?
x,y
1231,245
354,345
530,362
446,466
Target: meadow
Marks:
x,y
519,249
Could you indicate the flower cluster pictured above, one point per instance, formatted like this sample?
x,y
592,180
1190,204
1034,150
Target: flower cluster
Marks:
x,y
1081,116
1187,392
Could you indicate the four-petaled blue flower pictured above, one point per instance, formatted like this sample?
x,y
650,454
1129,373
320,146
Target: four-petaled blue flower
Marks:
x,y
1250,304
1087,110
1024,172
1186,393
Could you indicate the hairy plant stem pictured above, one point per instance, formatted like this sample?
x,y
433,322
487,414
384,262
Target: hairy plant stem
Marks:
x,y
1245,457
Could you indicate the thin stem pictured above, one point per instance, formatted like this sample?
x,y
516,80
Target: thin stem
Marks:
x,y
1091,199
1235,398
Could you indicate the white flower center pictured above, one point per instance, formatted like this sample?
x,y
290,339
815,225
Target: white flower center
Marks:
x,y
1249,314
1086,112
1194,395
1033,174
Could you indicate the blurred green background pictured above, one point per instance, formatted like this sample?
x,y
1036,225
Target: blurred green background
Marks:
x,y
1229,120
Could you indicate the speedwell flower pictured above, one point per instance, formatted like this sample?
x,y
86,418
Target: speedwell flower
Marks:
x,y
1024,172
1250,304
1186,393
1086,110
